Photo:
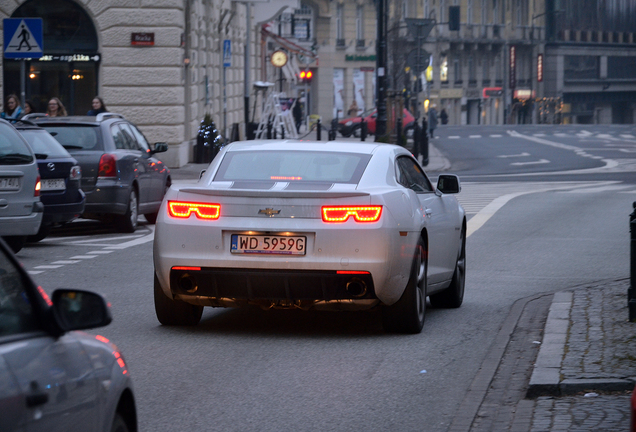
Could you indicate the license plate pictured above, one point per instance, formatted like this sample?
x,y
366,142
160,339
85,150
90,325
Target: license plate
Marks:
x,y
53,184
9,183
268,244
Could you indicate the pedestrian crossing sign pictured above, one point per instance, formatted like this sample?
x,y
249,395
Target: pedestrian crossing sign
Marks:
x,y
22,37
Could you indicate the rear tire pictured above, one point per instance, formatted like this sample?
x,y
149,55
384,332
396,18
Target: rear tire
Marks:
x,y
16,243
409,313
175,312
119,424
128,222
453,296
41,234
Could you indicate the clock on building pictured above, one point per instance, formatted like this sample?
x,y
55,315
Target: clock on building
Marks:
x,y
279,58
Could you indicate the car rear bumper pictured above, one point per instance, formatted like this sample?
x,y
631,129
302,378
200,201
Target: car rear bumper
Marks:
x,y
107,197
22,225
59,213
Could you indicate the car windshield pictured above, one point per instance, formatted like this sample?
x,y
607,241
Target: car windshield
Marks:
x,y
367,113
292,166
76,137
13,149
43,143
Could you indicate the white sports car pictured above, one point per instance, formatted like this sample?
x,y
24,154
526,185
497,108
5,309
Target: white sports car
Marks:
x,y
296,224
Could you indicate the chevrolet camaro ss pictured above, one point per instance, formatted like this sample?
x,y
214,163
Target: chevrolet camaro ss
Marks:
x,y
300,224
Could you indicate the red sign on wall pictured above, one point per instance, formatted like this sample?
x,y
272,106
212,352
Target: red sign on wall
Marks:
x,y
539,67
144,39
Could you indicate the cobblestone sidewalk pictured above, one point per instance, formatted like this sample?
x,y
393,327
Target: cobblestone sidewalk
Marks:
x,y
599,355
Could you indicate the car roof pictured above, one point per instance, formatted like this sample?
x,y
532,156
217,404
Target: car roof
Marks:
x,y
83,120
330,146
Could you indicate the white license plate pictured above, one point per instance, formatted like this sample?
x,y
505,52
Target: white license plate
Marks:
x,y
53,184
268,244
9,183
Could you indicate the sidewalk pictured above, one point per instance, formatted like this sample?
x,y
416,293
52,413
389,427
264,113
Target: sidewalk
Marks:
x,y
436,161
586,367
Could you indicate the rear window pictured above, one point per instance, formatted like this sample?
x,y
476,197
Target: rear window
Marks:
x,y
76,137
13,149
43,144
292,166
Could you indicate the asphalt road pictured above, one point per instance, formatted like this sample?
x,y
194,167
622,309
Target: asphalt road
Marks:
x,y
248,369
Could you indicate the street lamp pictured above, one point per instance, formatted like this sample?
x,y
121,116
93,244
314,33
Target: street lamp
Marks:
x,y
380,123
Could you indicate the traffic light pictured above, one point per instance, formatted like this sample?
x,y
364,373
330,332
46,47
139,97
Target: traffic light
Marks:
x,y
453,17
305,76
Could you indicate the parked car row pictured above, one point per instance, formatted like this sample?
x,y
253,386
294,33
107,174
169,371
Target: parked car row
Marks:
x,y
54,170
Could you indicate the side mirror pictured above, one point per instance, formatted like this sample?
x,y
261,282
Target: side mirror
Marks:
x,y
448,184
79,310
160,147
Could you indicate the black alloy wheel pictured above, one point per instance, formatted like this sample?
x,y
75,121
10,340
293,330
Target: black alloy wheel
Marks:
x,y
128,222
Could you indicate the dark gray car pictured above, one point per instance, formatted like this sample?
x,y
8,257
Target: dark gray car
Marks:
x,y
120,175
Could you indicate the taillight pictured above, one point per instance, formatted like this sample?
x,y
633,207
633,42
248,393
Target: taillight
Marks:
x,y
343,213
183,210
76,172
38,186
107,166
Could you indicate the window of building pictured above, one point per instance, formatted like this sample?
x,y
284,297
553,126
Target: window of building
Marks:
x,y
581,67
469,11
472,70
498,71
495,11
457,71
360,22
340,22
621,67
484,12
426,8
443,70
485,69
442,6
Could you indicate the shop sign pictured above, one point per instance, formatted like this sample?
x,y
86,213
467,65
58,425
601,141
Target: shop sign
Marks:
x,y
70,57
513,65
539,67
142,39
351,57
489,92
451,93
367,69
523,94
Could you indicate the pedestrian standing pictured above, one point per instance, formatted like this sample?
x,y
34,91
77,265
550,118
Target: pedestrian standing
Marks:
x,y
98,106
13,110
29,108
432,120
353,109
56,108
297,112
443,116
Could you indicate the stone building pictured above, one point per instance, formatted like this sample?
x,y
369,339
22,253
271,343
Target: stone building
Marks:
x,y
158,62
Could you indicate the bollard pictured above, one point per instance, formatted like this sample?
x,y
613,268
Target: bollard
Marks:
x,y
318,131
631,291
269,128
282,132
424,142
363,130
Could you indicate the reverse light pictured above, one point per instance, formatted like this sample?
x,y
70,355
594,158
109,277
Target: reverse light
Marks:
x,y
183,210
38,186
76,173
339,214
107,166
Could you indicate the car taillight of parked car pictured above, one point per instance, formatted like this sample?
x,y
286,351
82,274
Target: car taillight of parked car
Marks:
x,y
76,172
107,166
38,186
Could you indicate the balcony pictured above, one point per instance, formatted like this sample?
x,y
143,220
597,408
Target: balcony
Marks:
x,y
360,44
340,44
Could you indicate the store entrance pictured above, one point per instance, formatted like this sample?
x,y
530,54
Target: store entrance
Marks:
x,y
70,64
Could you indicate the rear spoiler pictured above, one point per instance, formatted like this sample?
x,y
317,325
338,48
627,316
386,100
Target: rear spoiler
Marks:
x,y
272,194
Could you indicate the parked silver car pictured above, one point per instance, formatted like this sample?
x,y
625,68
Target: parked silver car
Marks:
x,y
20,207
51,377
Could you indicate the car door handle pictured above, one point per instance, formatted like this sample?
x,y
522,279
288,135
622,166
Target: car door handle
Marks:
x,y
36,399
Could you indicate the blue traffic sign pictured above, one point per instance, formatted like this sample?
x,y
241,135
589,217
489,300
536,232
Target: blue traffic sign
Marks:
x,y
227,53
23,38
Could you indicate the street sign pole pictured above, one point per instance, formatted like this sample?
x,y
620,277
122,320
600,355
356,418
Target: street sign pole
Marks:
x,y
227,62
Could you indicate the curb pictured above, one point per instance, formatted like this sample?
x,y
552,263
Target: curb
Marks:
x,y
546,375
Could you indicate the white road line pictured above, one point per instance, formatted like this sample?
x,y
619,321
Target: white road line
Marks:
x,y
106,239
100,252
66,262
44,267
608,188
453,137
495,136
538,135
628,136
604,136
540,161
474,136
83,257
150,237
34,272
524,154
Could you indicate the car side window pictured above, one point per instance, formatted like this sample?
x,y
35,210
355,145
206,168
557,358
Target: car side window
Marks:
x,y
411,176
129,137
118,137
16,313
141,139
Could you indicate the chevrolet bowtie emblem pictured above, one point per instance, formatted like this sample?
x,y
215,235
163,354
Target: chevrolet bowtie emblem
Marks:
x,y
269,212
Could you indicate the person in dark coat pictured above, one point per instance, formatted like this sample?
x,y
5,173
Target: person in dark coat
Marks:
x,y
98,107
432,120
443,116
297,112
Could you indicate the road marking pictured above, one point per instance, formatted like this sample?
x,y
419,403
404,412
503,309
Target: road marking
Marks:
x,y
496,136
453,137
604,136
100,252
148,238
608,188
474,136
66,262
628,136
538,135
44,267
524,154
82,257
35,272
540,161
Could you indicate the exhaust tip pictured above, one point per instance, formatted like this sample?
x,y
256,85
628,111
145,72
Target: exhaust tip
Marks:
x,y
188,284
356,287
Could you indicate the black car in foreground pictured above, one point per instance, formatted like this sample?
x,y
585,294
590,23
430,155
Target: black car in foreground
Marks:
x,y
60,175
121,177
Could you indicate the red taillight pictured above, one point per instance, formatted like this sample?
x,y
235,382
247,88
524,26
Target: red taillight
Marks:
x,y
187,268
183,210
38,186
107,166
339,214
